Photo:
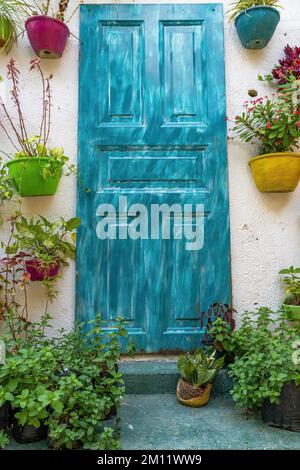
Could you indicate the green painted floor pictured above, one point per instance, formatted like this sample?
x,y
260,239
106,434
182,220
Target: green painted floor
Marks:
x,y
160,422
156,422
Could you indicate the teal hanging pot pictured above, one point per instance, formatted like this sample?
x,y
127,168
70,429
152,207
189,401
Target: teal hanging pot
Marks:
x,y
256,26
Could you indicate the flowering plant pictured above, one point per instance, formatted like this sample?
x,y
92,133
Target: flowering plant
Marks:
x,y
271,123
288,67
27,146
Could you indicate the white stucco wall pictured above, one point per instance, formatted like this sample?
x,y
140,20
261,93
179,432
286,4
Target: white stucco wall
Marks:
x,y
264,228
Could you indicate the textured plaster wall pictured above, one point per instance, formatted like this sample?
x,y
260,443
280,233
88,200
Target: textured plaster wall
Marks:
x,y
264,228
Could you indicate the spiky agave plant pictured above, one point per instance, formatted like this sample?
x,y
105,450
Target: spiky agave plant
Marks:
x,y
199,369
239,6
12,16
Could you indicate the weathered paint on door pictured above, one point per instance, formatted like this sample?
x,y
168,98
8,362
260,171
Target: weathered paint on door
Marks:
x,y
152,128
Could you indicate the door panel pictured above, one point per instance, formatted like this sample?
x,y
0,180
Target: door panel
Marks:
x,y
152,131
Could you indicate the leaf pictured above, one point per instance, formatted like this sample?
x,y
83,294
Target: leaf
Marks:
x,y
12,385
58,406
73,224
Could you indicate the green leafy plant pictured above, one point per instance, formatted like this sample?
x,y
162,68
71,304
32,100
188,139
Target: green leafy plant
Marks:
x,y
70,382
26,382
15,12
271,124
47,241
35,245
199,369
4,439
264,348
216,311
6,187
36,146
292,282
90,387
240,6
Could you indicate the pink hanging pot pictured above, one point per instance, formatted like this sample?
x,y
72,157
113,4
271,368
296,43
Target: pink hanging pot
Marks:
x,y
38,272
48,36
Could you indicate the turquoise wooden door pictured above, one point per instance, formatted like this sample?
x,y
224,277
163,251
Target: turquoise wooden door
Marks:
x,y
152,132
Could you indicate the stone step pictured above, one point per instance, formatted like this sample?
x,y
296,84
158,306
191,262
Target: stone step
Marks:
x,y
143,377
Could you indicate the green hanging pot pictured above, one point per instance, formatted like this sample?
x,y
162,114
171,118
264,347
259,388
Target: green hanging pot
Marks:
x,y
292,311
6,32
26,173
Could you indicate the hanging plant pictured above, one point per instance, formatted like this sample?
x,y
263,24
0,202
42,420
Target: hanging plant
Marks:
x,y
47,30
35,169
291,303
255,21
12,16
273,125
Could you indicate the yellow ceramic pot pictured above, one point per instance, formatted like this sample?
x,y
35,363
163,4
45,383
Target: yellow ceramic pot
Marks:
x,y
276,172
196,402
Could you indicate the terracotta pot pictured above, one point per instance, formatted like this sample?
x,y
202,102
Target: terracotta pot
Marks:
x,y
198,401
48,36
39,273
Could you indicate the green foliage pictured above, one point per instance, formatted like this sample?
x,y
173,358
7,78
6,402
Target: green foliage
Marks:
x,y
57,159
221,333
36,146
91,385
271,124
15,12
47,241
263,348
292,282
239,6
70,382
26,382
6,187
198,368
4,439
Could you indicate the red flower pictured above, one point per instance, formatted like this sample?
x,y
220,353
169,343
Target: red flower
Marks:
x,y
298,123
269,125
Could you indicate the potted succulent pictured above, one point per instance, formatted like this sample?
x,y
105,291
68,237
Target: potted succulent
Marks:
x,y
197,372
46,246
12,14
35,169
255,21
47,30
273,125
266,368
292,301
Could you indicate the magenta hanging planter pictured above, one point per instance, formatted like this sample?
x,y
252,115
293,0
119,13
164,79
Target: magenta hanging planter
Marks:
x,y
48,36
40,273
